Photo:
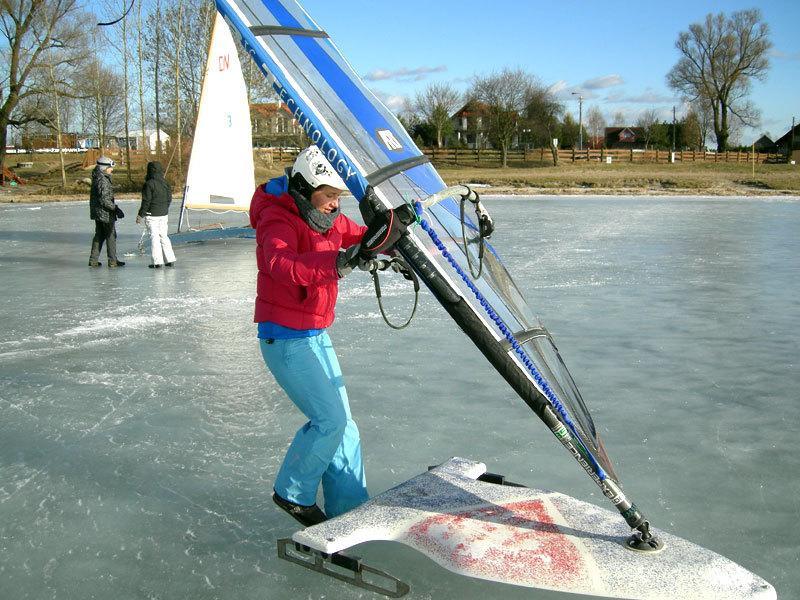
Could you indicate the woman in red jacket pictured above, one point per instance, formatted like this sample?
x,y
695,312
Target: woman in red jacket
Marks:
x,y
300,237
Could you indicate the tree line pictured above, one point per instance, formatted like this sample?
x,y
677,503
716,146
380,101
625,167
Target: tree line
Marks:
x,y
719,60
62,71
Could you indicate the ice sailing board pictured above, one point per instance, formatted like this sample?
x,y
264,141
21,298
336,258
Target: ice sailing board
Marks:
x,y
533,538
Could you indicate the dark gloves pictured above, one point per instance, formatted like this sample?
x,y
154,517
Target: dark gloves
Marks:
x,y
385,226
119,213
352,258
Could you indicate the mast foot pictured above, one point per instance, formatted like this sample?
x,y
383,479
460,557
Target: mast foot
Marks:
x,y
643,541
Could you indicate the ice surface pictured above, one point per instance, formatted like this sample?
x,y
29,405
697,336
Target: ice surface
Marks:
x,y
140,432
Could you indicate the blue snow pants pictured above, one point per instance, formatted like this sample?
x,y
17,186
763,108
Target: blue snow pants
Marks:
x,y
327,448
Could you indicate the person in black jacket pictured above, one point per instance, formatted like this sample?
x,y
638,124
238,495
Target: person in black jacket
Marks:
x,y
156,198
104,212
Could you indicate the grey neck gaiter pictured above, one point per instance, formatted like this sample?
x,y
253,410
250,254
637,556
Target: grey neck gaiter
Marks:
x,y
318,221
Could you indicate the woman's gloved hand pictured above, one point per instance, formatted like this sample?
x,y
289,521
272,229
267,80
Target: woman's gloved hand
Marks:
x,y
352,258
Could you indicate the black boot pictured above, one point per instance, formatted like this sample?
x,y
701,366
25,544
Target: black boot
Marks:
x,y
306,515
154,266
116,263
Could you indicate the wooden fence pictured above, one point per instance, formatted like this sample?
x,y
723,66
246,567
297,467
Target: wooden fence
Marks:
x,y
466,156
470,157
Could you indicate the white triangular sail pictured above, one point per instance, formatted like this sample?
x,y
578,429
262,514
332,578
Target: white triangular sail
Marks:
x,y
220,176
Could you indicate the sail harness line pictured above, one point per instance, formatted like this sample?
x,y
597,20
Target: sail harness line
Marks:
x,y
398,265
485,222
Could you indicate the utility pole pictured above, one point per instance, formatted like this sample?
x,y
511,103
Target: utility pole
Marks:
x,y
580,119
791,139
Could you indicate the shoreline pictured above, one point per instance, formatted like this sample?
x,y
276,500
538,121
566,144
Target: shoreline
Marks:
x,y
483,189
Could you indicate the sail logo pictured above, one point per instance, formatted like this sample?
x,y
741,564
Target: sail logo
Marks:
x,y
388,139
224,62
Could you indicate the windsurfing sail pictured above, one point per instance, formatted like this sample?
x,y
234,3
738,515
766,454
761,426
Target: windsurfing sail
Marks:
x,y
372,152
220,177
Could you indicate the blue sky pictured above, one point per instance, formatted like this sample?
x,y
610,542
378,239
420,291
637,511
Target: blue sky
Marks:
x,y
615,53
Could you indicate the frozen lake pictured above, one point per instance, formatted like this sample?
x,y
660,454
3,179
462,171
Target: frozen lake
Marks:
x,y
140,431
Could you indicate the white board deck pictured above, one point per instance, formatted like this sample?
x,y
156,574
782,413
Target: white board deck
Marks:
x,y
531,537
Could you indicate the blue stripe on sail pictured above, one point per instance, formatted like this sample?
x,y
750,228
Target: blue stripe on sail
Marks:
x,y
351,95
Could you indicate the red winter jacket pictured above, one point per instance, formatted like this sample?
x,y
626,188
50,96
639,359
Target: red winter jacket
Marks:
x,y
297,278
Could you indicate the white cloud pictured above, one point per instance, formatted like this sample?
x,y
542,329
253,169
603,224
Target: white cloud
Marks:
x,y
605,81
562,90
775,53
649,96
403,73
557,87
393,102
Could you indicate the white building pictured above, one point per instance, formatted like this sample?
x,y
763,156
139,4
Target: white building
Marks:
x,y
136,143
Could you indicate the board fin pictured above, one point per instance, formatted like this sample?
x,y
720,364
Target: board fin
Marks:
x,y
348,568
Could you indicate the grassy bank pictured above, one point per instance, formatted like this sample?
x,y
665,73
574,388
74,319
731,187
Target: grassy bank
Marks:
x,y
732,179
627,178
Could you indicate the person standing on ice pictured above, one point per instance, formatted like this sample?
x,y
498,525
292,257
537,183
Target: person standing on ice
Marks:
x,y
104,212
304,245
154,209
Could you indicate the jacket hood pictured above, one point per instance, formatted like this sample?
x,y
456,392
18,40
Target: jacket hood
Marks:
x,y
274,192
154,169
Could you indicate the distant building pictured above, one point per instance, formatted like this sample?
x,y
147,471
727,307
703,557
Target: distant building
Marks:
x,y
274,126
468,125
625,137
789,141
116,141
765,144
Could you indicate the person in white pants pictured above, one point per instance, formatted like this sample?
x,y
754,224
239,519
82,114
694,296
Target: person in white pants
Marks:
x,y
160,246
156,198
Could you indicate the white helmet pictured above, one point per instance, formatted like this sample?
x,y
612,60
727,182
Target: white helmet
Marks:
x,y
315,170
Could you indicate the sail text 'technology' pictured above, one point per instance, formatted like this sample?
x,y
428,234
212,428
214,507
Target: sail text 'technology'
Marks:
x,y
316,136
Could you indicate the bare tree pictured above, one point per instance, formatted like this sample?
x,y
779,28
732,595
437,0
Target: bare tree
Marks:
x,y
117,37
55,75
177,64
435,104
505,95
104,108
597,124
542,116
648,121
63,90
720,58
153,58
140,74
619,119
30,29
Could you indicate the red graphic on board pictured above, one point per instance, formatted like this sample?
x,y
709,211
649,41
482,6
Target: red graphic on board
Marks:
x,y
517,542
224,62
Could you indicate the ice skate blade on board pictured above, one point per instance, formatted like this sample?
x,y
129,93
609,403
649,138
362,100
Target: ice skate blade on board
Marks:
x,y
531,537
